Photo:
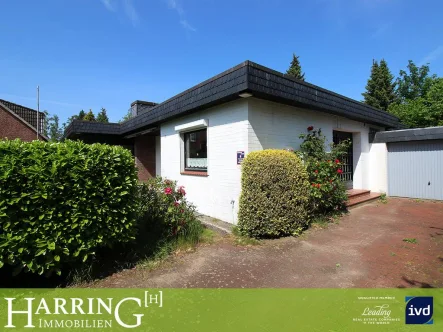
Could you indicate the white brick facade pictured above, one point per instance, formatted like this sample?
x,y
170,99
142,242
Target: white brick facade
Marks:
x,y
253,124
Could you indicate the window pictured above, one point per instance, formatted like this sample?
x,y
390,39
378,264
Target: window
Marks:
x,y
196,156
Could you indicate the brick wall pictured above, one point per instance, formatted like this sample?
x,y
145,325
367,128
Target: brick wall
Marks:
x,y
144,152
12,128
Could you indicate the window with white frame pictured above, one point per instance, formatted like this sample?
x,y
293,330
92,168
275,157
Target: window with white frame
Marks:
x,y
195,150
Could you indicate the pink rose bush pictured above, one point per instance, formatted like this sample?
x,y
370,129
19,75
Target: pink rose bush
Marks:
x,y
164,203
327,191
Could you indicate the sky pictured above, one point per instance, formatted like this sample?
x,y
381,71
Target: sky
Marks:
x,y
88,54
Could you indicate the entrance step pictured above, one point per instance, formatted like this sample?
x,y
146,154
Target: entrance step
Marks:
x,y
360,196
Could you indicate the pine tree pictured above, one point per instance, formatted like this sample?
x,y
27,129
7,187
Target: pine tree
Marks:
x,y
81,115
380,89
371,86
295,69
102,116
89,116
387,84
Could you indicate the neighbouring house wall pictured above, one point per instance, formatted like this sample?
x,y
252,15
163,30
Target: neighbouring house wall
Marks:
x,y
217,194
12,128
277,126
144,153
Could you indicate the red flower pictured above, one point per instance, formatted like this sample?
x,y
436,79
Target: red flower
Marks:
x,y
318,185
316,172
337,161
168,191
181,190
314,185
329,161
339,171
310,128
176,203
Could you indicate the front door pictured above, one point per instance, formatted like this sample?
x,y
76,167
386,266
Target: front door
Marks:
x,y
347,161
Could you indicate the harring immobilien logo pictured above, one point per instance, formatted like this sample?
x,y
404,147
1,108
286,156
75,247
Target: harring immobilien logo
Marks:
x,y
419,309
74,312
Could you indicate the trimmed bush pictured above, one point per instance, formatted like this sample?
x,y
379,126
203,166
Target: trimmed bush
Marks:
x,y
275,194
59,202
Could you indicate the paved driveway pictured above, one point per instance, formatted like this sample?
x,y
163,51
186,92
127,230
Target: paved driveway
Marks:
x,y
365,249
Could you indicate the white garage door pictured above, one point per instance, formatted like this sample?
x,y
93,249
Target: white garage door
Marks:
x,y
415,169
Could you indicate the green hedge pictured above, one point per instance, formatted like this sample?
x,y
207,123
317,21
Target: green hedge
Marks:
x,y
274,200
59,202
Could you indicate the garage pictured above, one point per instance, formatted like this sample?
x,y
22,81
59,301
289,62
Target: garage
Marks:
x,y
414,162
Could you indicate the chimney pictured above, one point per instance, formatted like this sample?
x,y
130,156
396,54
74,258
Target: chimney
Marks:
x,y
141,106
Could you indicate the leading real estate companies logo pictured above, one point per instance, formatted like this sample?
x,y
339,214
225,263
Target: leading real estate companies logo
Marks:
x,y
74,312
419,309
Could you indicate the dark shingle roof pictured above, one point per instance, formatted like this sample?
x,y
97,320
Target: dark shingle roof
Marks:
x,y
261,82
26,113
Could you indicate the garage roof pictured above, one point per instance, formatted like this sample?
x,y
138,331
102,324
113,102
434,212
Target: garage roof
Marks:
x,y
406,135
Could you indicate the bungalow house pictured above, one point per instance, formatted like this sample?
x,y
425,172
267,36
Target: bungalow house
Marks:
x,y
200,136
17,121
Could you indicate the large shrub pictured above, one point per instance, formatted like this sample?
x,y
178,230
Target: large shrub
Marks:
x,y
327,191
165,212
59,202
274,199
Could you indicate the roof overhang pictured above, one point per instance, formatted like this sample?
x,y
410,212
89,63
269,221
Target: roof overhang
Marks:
x,y
250,79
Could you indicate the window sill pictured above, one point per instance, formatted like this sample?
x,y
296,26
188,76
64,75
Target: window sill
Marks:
x,y
194,173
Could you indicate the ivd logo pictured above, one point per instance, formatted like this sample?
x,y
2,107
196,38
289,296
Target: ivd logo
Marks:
x,y
419,310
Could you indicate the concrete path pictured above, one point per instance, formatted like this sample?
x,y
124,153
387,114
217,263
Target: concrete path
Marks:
x,y
398,244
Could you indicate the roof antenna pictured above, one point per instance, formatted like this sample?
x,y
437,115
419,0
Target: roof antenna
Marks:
x,y
38,107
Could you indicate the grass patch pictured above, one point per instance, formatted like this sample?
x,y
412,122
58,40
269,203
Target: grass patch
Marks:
x,y
149,251
323,221
383,199
320,222
207,236
410,240
393,254
242,240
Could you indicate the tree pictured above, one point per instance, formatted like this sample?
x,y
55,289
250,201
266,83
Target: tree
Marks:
x,y
414,84
81,115
294,69
102,116
424,111
420,97
380,89
127,116
55,133
89,116
52,128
